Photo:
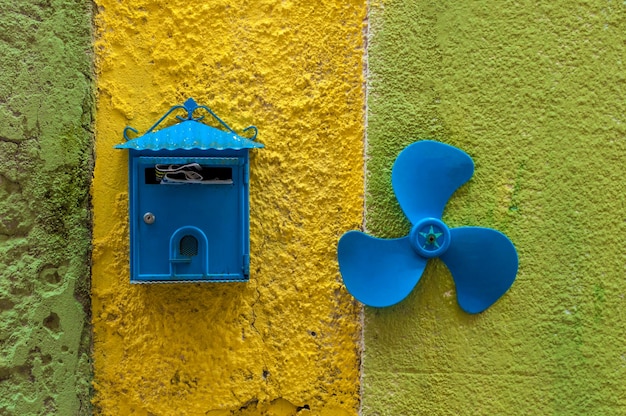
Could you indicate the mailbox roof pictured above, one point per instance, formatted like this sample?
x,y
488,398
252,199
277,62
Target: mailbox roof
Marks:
x,y
187,135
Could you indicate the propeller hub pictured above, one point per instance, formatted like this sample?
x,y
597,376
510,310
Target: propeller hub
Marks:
x,y
430,237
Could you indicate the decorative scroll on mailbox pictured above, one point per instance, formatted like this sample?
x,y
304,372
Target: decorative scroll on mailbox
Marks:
x,y
188,200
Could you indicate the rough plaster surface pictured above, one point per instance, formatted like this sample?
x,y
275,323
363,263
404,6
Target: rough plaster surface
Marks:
x,y
534,92
288,341
45,168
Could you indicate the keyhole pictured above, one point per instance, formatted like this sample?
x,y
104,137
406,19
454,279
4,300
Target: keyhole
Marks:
x,y
149,218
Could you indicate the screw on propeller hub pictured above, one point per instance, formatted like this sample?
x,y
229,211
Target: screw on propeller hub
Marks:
x,y
430,237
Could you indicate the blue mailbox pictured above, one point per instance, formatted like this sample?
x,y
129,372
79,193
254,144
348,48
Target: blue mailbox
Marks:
x,y
188,200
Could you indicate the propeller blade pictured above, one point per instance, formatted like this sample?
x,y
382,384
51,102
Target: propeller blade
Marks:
x,y
426,174
483,263
378,272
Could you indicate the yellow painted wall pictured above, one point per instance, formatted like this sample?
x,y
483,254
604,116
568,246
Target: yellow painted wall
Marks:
x,y
289,338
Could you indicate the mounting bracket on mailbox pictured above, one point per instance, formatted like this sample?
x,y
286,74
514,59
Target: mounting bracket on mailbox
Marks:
x,y
188,200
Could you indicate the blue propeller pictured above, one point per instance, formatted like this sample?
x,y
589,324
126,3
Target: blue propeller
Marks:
x,y
483,262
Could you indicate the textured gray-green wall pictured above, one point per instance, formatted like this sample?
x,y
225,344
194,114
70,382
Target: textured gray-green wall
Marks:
x,y
45,171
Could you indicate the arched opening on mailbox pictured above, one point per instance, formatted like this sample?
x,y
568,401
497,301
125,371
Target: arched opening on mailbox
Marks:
x,y
189,253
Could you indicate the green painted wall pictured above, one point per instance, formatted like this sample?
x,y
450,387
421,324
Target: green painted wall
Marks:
x,y
534,92
45,164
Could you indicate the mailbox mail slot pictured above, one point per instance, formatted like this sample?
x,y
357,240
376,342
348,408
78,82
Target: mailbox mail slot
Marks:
x,y
188,207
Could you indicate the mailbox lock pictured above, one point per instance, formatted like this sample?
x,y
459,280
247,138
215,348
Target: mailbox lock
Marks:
x,y
148,218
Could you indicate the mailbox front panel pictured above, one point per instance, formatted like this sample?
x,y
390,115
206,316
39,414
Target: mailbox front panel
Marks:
x,y
189,219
